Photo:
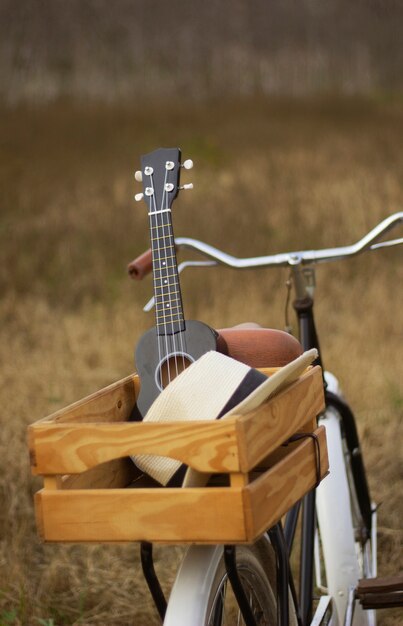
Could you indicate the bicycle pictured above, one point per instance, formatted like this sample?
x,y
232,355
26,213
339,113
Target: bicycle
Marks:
x,y
341,551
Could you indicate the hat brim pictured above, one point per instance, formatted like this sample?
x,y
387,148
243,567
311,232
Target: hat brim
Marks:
x,y
270,387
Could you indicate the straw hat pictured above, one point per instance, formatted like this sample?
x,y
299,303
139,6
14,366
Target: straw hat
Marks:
x,y
213,387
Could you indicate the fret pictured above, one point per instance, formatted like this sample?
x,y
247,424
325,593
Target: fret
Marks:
x,y
167,314
163,250
165,258
158,226
167,296
162,234
162,237
168,293
159,248
163,312
177,326
169,323
173,304
167,309
168,320
164,275
167,286
168,276
163,269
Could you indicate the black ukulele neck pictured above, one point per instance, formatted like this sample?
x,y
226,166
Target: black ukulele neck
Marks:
x,y
168,299
160,173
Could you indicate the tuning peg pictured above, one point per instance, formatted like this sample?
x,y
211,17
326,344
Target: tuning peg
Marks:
x,y
188,186
138,197
138,176
188,164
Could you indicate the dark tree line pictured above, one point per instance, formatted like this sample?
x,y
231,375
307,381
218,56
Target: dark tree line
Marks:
x,y
112,49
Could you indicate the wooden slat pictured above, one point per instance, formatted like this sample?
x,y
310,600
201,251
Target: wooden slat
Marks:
x,y
113,403
60,447
269,497
74,448
158,515
282,451
263,430
113,475
110,404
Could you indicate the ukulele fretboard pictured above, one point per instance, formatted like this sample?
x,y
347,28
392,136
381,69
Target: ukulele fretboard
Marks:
x,y
168,300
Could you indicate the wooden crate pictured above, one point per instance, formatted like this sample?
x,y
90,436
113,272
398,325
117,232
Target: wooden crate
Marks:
x,y
92,491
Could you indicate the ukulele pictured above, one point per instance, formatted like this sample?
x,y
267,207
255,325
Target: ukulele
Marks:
x,y
174,343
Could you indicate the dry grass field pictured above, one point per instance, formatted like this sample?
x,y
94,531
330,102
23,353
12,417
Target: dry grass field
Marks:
x,y
268,177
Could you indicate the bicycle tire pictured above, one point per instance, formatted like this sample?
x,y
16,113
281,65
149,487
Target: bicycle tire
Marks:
x,y
202,597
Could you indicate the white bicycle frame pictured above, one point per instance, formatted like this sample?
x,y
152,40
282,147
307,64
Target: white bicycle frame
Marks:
x,y
336,527
335,538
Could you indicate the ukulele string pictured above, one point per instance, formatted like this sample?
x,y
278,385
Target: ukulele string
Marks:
x,y
152,226
177,299
162,247
168,304
156,226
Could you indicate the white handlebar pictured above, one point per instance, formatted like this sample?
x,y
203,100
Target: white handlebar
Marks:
x,y
369,242
290,259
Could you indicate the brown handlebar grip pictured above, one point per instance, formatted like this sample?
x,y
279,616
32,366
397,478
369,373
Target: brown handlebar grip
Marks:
x,y
141,266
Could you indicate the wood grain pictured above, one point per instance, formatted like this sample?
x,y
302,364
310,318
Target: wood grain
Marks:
x,y
74,448
263,430
60,446
110,404
207,515
269,497
197,515
112,474
83,452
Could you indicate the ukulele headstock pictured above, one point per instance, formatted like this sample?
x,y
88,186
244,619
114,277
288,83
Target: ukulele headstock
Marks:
x,y
160,175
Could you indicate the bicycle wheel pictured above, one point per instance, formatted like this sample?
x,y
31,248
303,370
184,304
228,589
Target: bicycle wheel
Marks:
x,y
202,594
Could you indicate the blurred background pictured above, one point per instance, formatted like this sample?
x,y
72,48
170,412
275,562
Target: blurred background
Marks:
x,y
124,50
293,115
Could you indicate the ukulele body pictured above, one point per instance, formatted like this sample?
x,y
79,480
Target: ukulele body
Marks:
x,y
160,358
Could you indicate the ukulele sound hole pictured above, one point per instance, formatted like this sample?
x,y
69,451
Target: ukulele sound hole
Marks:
x,y
171,367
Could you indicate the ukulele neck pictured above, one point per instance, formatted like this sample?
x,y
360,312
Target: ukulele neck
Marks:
x,y
168,299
